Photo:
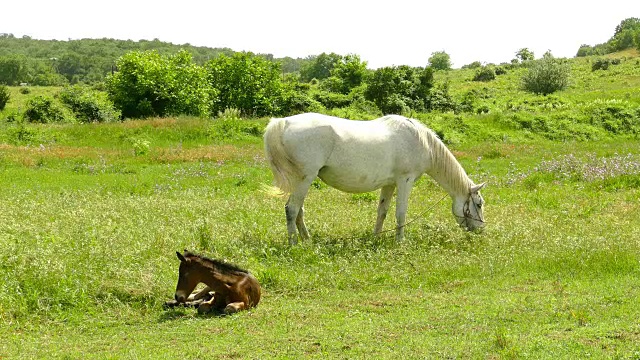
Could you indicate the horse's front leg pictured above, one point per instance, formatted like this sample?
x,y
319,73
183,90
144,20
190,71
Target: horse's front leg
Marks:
x,y
294,212
386,193
402,203
200,294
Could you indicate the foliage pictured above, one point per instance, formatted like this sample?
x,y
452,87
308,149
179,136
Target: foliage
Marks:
x,y
473,65
43,109
485,73
17,68
89,105
626,35
149,84
440,60
4,96
604,63
399,89
525,54
348,73
547,75
319,67
246,82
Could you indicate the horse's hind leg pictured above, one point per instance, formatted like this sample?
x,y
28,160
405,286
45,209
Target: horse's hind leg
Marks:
x,y
302,227
383,207
294,211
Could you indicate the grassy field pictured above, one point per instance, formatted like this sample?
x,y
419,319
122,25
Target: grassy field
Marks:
x,y
91,216
89,234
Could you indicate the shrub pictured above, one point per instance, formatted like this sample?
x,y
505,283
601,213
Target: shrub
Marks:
x,y
546,75
89,105
246,82
25,90
4,96
485,73
150,84
42,109
331,100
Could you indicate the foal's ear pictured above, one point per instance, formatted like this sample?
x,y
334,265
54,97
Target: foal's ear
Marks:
x,y
476,188
180,257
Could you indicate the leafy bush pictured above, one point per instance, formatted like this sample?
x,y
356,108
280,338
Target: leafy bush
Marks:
x,y
246,82
603,64
546,75
150,84
439,99
25,90
473,65
4,96
89,105
395,89
331,100
485,73
43,109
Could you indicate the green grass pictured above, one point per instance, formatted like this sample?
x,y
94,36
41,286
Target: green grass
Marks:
x,y
91,216
89,235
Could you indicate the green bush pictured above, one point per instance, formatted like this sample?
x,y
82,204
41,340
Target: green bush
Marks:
x,y
547,75
246,82
43,109
485,73
25,90
4,96
149,84
332,100
89,105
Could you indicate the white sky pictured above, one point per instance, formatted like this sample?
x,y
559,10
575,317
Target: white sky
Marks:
x,y
398,32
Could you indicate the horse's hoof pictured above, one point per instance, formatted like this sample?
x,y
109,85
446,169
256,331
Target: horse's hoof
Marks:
x,y
171,304
204,308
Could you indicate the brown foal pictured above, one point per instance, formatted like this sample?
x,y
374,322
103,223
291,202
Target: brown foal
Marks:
x,y
234,289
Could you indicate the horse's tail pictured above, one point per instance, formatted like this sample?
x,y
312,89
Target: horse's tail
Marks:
x,y
284,170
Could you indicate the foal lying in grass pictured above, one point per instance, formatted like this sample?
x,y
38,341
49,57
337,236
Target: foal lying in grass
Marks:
x,y
234,289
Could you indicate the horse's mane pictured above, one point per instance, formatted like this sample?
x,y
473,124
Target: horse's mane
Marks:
x,y
441,156
219,265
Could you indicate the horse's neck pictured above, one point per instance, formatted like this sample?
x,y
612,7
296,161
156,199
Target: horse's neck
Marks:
x,y
447,171
216,278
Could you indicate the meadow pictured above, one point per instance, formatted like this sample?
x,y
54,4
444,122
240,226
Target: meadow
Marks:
x,y
91,216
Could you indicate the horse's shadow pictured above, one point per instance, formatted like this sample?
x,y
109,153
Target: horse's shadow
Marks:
x,y
186,312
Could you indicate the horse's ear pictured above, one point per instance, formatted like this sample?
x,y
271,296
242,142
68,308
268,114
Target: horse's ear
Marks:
x,y
476,188
180,257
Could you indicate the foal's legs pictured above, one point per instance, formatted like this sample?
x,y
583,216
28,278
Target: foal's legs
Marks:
x,y
383,206
402,203
294,212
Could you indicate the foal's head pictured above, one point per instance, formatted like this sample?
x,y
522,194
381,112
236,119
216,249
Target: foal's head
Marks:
x,y
190,275
468,211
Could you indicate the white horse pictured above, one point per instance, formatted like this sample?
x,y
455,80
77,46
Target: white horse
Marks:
x,y
361,156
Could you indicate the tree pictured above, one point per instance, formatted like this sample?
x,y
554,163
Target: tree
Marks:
x,y
440,60
349,73
319,67
245,82
524,54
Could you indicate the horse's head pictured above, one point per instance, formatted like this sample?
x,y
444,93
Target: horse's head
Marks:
x,y
188,276
468,210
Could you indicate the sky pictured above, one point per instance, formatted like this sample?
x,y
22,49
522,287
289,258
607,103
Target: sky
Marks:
x,y
382,33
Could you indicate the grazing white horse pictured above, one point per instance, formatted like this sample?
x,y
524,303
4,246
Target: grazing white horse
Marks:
x,y
388,153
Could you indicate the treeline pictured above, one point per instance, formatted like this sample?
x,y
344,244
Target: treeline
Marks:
x,y
626,36
89,61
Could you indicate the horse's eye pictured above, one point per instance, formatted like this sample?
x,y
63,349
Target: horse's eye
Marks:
x,y
480,206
